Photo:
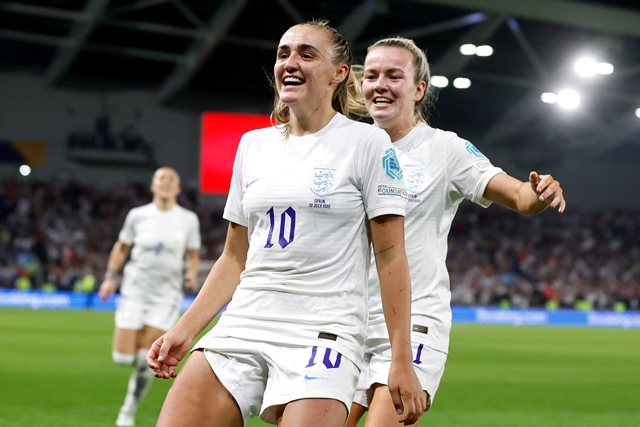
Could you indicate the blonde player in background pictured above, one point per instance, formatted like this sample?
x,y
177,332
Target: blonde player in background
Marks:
x,y
159,236
296,255
440,171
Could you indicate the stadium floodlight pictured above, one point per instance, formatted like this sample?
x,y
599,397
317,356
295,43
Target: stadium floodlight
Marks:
x,y
585,67
549,97
638,113
25,170
439,81
461,83
468,49
484,50
568,99
604,68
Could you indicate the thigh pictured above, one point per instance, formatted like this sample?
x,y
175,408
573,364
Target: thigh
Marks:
x,y
148,335
313,412
357,412
198,398
301,373
382,413
125,340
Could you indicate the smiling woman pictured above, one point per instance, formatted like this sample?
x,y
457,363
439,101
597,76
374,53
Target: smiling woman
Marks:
x,y
303,194
303,71
441,170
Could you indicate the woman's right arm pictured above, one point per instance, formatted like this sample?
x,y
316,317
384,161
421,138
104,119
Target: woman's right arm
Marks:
x,y
117,257
217,290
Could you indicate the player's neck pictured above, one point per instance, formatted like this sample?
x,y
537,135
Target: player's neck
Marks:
x,y
398,130
310,122
164,204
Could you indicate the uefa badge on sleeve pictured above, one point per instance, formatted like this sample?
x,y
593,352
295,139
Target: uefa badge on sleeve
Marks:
x,y
473,150
391,164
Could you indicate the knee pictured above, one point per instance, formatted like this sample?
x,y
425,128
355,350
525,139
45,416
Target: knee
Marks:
x,y
123,359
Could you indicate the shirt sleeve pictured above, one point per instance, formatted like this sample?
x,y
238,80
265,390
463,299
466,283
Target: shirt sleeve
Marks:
x,y
383,187
233,210
128,233
193,240
469,170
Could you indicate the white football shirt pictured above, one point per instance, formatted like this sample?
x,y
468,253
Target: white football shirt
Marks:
x,y
305,201
440,170
160,240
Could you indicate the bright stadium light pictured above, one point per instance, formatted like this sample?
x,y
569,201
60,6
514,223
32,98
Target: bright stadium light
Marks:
x,y
549,97
461,83
468,49
484,50
604,68
638,113
25,170
585,67
439,81
568,99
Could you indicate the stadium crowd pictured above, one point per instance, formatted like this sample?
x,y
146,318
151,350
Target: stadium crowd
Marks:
x,y
58,236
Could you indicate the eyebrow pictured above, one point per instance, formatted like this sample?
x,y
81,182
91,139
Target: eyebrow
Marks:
x,y
303,46
387,70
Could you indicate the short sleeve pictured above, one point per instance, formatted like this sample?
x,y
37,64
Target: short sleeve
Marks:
x,y
233,210
383,187
469,170
193,240
127,234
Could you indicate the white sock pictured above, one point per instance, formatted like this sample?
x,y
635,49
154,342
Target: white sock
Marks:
x,y
123,359
139,382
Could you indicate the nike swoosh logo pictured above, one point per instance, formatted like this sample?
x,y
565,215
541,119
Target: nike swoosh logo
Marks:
x,y
251,183
307,377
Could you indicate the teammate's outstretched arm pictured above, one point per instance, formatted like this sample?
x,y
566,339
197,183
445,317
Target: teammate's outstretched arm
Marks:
x,y
527,198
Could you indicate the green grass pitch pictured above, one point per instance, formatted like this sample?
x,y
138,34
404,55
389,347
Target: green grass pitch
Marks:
x,y
57,371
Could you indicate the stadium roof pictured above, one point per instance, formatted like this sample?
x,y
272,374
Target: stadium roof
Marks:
x,y
216,54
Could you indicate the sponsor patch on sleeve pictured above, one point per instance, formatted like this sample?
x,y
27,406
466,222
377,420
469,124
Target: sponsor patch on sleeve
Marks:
x,y
392,191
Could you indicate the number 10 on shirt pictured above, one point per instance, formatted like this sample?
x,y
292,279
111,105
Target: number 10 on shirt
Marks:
x,y
287,217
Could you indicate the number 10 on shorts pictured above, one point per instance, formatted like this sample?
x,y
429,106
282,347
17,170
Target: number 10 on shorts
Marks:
x,y
326,360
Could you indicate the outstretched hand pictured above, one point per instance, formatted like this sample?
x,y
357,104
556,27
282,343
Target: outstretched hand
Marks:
x,y
166,352
407,395
548,190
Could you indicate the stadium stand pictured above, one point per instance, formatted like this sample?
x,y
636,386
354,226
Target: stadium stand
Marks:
x,y
56,236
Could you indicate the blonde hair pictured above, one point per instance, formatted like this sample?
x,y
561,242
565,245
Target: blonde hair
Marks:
x,y
340,54
421,69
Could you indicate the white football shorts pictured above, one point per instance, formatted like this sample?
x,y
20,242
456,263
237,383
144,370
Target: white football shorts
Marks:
x,y
262,376
133,313
427,362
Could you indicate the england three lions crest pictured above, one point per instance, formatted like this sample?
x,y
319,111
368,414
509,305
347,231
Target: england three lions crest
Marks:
x,y
414,179
323,181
